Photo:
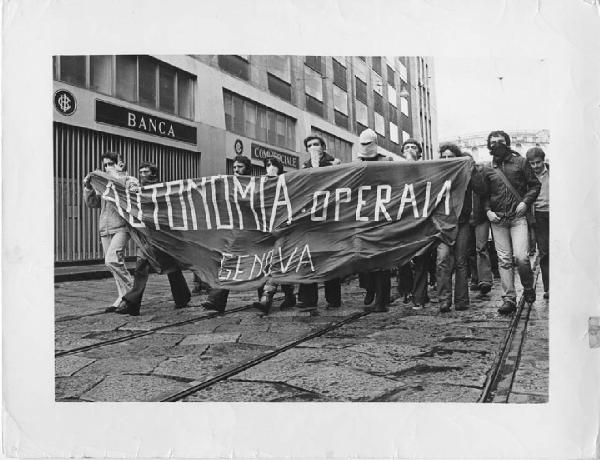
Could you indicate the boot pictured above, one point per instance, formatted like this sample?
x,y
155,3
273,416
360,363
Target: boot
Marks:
x,y
125,308
289,301
369,297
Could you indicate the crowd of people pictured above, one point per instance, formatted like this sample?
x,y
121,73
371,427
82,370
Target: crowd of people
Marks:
x,y
505,214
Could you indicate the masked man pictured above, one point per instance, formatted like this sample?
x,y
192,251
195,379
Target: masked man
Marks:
x,y
308,294
509,188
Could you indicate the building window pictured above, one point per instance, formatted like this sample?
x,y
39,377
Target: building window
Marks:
x,y
391,77
336,146
362,114
340,119
280,67
379,124
315,63
392,96
393,113
166,92
403,72
72,70
279,87
394,133
250,119
340,59
235,65
339,75
361,90
126,78
376,64
101,74
377,83
340,100
378,103
360,127
147,78
405,136
360,70
313,105
138,79
404,105
362,58
314,84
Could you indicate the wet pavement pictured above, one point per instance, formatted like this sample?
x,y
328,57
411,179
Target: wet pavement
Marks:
x,y
402,355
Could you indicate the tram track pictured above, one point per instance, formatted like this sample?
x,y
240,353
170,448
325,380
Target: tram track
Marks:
x,y
136,335
500,369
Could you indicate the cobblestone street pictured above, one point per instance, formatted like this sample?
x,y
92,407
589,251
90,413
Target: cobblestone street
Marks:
x,y
403,355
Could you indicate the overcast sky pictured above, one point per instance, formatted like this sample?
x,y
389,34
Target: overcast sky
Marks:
x,y
471,96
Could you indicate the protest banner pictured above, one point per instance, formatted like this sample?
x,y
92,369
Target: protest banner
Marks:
x,y
301,227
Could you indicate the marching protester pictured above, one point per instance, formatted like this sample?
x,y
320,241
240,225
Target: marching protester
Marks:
x,y
536,157
274,168
510,187
217,298
308,294
412,151
132,300
114,233
454,258
377,283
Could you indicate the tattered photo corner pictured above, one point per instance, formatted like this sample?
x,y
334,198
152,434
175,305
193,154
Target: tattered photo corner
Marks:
x,y
565,35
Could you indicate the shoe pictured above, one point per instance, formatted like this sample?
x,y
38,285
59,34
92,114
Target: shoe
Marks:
x,y
474,287
369,297
445,308
529,295
407,298
484,288
126,308
212,307
461,307
507,308
110,309
179,306
418,306
376,309
333,306
546,295
289,301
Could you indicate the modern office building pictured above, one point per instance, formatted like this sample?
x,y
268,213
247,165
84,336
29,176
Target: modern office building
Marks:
x,y
192,114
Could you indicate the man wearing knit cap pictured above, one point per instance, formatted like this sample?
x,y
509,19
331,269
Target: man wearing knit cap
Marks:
x,y
377,283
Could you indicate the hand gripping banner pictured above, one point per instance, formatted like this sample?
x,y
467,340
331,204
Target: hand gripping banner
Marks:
x,y
301,227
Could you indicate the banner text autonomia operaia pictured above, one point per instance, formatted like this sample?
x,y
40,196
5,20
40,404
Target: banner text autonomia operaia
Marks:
x,y
304,226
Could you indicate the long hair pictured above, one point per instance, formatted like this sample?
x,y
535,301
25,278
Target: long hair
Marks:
x,y
496,134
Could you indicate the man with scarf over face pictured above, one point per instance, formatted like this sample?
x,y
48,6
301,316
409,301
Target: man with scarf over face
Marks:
x,y
308,294
506,208
132,300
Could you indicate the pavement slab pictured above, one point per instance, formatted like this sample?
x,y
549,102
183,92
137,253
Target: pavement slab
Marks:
x,y
68,365
132,388
71,388
122,365
202,339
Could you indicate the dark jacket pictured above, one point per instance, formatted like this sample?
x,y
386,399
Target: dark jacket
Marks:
x,y
326,160
495,194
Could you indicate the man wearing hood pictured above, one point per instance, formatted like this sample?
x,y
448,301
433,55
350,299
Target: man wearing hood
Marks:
x,y
377,283
509,188
308,294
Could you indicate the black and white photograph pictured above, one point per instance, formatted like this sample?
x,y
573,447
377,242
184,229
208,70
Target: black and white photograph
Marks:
x,y
426,283
321,228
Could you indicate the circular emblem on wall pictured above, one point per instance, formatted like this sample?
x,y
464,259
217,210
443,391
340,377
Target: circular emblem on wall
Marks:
x,y
238,146
65,102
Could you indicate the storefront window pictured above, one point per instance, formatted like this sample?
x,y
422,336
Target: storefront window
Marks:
x,y
147,82
250,119
72,70
261,124
126,77
272,128
101,74
166,89
238,115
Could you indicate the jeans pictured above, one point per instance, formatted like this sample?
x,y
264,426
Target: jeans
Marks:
x,y
512,240
542,233
481,271
449,259
114,248
179,288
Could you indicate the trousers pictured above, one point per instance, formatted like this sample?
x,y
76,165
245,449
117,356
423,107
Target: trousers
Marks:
x,y
309,293
453,259
114,259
